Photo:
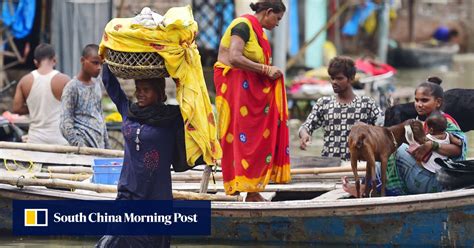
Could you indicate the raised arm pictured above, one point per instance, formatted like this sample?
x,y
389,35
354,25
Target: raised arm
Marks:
x,y
115,92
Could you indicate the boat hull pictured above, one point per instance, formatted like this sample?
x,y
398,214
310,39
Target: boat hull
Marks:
x,y
445,218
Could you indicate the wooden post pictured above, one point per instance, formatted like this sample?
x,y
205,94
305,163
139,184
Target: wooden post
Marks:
x,y
302,50
411,20
280,42
384,19
206,173
337,32
2,56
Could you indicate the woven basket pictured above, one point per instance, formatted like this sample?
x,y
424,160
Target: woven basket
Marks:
x,y
136,65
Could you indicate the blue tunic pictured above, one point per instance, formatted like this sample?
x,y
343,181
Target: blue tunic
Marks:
x,y
146,173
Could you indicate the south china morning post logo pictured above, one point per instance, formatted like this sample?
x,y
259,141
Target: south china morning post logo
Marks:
x,y
74,217
36,217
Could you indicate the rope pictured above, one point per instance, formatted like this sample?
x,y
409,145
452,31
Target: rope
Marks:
x,y
6,166
30,168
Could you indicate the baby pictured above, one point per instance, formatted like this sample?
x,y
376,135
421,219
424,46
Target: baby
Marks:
x,y
437,124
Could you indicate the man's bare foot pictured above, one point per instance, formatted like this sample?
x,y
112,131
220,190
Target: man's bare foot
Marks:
x,y
351,188
254,197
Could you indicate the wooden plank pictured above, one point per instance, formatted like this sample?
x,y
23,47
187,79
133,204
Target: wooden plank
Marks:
x,y
332,195
46,157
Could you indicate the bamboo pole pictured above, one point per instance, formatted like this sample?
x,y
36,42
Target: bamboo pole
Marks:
x,y
301,171
61,149
69,169
72,177
317,171
102,188
302,50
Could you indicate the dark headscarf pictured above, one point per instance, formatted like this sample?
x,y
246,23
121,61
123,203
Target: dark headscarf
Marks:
x,y
163,115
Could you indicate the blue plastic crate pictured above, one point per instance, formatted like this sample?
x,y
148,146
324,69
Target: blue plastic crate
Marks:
x,y
107,170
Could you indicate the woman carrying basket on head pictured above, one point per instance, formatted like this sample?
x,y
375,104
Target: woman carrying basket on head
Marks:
x,y
251,104
157,135
149,127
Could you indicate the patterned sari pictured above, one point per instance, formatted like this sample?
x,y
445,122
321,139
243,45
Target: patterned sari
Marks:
x,y
252,119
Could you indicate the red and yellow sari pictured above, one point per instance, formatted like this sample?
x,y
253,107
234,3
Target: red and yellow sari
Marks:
x,y
252,118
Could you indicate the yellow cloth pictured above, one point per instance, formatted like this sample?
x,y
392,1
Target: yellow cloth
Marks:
x,y
113,117
174,41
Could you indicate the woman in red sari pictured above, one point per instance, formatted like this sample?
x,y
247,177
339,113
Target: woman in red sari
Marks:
x,y
251,104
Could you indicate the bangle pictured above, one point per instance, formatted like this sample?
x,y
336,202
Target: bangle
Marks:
x,y
262,71
434,145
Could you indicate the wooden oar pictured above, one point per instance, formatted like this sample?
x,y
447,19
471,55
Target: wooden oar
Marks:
x,y
101,188
61,149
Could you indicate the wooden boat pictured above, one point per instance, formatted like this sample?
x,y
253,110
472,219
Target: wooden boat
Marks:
x,y
438,219
325,216
418,55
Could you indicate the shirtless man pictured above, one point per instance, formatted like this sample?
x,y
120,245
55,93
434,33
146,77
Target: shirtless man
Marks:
x,y
39,94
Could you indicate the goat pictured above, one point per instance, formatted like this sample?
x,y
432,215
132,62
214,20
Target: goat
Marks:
x,y
373,143
458,103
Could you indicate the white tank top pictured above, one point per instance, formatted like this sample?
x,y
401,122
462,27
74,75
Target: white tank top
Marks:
x,y
45,111
431,165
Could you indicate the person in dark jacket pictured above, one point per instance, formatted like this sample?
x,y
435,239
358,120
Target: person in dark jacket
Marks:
x,y
149,128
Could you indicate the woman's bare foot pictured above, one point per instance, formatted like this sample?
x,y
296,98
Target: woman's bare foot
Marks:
x,y
351,188
254,197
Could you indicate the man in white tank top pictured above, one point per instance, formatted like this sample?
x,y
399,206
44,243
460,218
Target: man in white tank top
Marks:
x,y
39,95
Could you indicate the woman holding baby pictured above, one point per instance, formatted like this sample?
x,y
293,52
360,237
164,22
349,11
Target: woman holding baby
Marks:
x,y
406,172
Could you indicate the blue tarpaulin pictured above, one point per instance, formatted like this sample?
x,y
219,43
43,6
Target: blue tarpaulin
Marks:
x,y
361,13
20,20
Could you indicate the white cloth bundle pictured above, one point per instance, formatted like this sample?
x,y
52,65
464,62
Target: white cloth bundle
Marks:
x,y
148,19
